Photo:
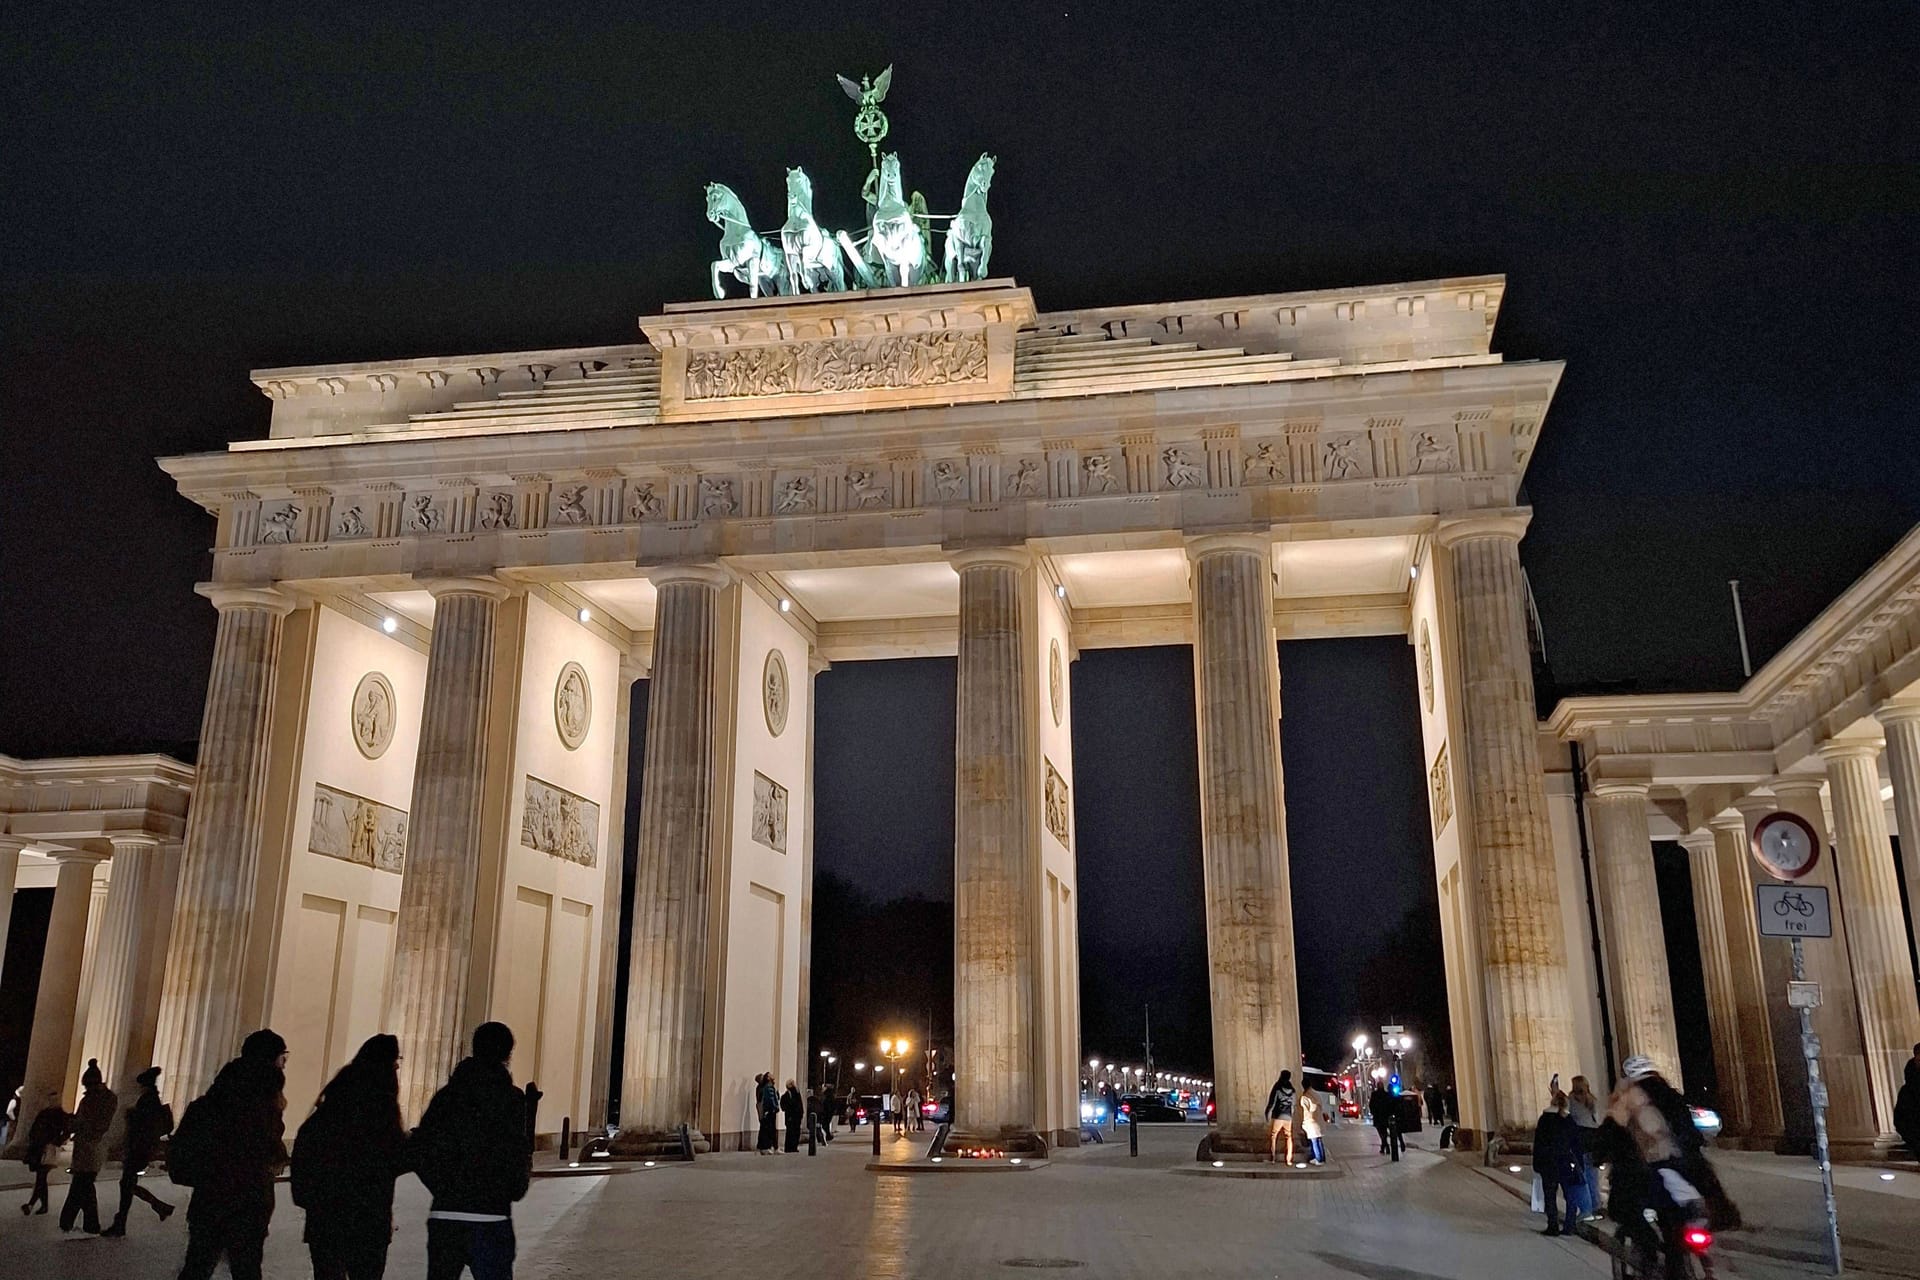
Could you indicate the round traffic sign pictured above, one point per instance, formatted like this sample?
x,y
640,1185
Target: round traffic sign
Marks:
x,y
1786,845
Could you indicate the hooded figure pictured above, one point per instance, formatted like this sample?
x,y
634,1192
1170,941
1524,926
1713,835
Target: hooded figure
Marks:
x,y
345,1159
91,1120
50,1128
474,1151
148,1121
240,1124
1906,1108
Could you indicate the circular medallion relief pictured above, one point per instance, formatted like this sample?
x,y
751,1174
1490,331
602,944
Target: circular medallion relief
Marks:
x,y
572,705
773,692
1056,681
1426,664
373,715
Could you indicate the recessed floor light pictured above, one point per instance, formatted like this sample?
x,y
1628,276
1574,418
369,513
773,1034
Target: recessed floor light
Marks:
x,y
389,624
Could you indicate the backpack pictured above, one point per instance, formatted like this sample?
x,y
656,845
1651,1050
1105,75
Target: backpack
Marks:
x,y
193,1152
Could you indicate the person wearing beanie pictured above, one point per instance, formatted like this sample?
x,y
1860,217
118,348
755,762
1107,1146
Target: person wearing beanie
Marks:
x,y
148,1121
474,1152
91,1120
345,1159
228,1149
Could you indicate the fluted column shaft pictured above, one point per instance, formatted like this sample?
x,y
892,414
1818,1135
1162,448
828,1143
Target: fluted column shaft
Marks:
x,y
1850,1122
1243,830
122,954
433,933
667,969
1723,1016
51,1042
1637,979
1876,926
598,1099
1752,1076
1517,900
1901,720
213,912
9,871
994,856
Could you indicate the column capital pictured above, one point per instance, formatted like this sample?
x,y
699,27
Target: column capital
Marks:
x,y
1509,524
1851,749
1734,822
966,558
1753,806
816,663
1612,788
1215,544
225,597
132,840
701,573
1905,711
1698,842
492,588
63,854
1806,785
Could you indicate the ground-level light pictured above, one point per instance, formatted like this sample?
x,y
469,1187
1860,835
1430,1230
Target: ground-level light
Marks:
x,y
389,624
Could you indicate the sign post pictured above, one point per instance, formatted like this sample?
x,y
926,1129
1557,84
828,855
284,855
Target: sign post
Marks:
x,y
1787,846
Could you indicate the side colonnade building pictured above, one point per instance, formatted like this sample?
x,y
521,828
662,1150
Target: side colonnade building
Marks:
x,y
1829,729
439,579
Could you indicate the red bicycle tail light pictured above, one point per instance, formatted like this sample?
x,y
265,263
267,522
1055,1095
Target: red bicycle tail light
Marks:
x,y
1698,1239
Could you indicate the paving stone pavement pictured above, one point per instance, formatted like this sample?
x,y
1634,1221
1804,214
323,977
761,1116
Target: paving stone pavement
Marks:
x,y
1095,1212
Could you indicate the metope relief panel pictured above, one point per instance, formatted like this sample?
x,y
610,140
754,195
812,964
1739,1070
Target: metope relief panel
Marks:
x,y
1059,806
769,813
358,830
1440,785
560,824
838,365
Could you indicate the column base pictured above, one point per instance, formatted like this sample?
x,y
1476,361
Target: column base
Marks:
x,y
659,1144
1235,1145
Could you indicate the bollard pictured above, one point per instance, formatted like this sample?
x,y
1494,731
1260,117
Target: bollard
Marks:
x,y
1133,1138
813,1133
566,1138
876,1136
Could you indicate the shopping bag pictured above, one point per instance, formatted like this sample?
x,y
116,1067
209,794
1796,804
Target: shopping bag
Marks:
x,y
1539,1194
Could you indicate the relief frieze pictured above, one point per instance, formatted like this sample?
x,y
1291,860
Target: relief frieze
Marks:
x,y
838,365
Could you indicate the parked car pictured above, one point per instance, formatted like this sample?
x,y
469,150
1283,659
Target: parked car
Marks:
x,y
1146,1109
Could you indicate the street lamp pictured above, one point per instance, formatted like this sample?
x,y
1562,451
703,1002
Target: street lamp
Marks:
x,y
893,1050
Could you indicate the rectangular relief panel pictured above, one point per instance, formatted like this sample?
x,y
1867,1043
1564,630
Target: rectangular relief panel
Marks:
x,y
355,829
558,823
769,813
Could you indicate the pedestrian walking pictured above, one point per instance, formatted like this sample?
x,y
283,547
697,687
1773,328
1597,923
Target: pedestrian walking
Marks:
x,y
1556,1163
819,1115
1310,1127
1906,1107
792,1108
1436,1107
915,1121
91,1120
1280,1103
766,1100
1586,1110
345,1159
51,1128
1383,1108
474,1152
148,1121
1450,1099
13,1116
228,1148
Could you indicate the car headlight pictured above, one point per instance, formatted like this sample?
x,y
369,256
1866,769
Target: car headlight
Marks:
x,y
1086,1111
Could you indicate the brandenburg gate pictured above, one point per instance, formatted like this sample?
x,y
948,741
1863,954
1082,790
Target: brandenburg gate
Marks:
x,y
438,578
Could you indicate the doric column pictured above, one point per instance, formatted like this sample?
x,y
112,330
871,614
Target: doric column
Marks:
x,y
804,1030
616,861
1723,1015
1243,830
50,1045
433,933
667,971
213,912
994,852
1522,942
122,955
10,850
1901,720
1876,926
1750,1087
1637,981
1851,1128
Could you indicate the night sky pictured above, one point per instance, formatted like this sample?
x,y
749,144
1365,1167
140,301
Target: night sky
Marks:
x,y
1709,215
